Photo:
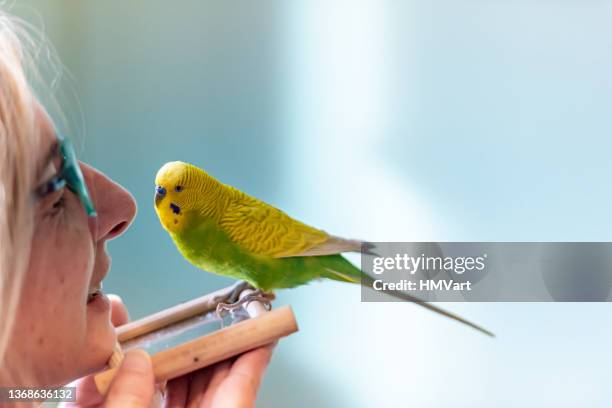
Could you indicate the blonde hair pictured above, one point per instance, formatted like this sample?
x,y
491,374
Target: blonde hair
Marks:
x,y
20,47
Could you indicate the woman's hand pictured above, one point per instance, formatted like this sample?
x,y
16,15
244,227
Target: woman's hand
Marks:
x,y
230,383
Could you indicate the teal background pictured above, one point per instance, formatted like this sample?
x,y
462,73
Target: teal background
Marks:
x,y
422,120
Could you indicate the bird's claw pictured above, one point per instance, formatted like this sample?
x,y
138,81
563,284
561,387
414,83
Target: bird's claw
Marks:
x,y
234,294
256,296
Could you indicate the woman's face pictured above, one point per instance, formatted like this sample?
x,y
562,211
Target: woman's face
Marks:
x,y
59,334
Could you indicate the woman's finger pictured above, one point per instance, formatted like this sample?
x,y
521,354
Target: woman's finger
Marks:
x,y
119,313
86,393
133,385
176,392
198,385
243,380
254,363
219,374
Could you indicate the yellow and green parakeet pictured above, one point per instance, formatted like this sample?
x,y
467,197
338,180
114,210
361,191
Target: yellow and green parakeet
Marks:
x,y
220,229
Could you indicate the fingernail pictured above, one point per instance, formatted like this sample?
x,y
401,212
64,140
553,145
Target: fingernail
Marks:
x,y
137,360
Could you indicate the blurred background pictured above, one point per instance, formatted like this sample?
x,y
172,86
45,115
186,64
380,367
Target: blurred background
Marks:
x,y
420,120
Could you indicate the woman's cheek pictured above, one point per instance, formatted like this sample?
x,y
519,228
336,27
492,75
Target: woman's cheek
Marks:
x,y
74,256
54,298
97,335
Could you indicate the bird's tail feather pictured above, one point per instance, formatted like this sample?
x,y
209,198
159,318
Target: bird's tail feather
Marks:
x,y
347,272
367,280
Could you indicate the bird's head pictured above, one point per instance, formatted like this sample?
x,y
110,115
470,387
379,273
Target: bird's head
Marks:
x,y
180,190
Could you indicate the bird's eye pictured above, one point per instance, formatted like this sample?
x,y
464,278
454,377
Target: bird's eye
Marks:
x,y
178,189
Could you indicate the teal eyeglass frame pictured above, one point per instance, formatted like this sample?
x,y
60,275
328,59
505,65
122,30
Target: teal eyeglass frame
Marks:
x,y
70,175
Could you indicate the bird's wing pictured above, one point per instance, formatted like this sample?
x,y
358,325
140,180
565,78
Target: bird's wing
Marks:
x,y
265,230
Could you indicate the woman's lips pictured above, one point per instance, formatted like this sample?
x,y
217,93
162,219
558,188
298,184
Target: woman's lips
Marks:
x,y
98,302
93,293
100,272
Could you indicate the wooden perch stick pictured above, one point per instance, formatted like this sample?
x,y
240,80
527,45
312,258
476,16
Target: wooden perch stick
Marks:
x,y
209,349
166,317
171,315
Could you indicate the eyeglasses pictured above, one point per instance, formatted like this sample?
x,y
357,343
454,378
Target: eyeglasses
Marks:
x,y
70,175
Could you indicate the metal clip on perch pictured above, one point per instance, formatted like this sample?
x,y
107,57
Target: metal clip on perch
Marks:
x,y
191,335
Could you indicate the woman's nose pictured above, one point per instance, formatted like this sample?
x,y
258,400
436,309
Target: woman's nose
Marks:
x,y
115,206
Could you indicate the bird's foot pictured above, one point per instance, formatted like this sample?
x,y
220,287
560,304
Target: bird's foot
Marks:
x,y
234,295
257,295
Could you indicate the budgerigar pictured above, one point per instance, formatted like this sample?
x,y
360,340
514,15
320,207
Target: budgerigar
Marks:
x,y
220,229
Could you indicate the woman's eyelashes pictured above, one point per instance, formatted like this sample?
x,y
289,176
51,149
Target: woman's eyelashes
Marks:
x,y
60,202
52,195
55,202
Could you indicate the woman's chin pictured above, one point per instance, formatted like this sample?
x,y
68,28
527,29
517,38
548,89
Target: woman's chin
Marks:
x,y
101,336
